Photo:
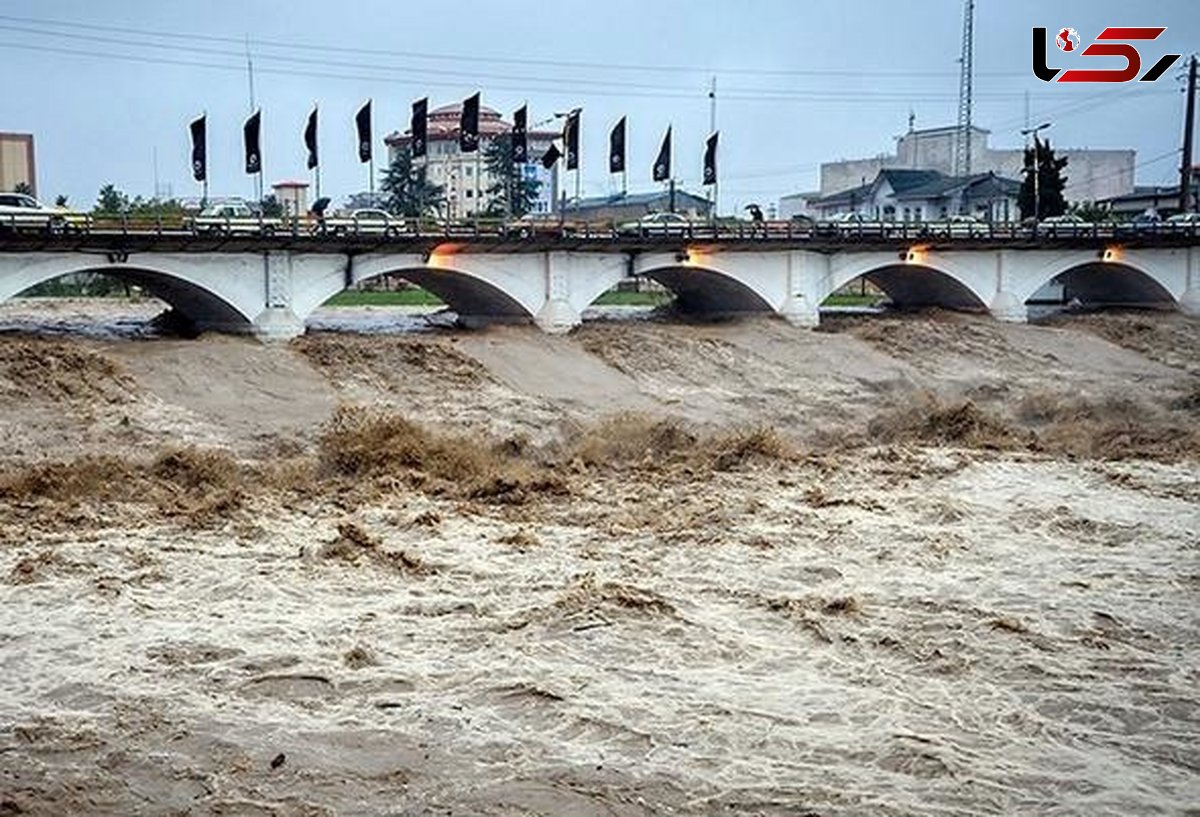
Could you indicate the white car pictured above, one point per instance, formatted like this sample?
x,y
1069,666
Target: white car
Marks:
x,y
1184,220
656,224
963,226
852,224
1066,224
19,212
233,218
367,221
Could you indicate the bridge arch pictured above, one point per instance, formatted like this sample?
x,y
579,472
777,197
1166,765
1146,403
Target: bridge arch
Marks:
x,y
922,282
1119,281
701,287
192,299
474,295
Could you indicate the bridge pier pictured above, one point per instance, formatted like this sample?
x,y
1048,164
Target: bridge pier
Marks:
x,y
1189,300
807,273
557,316
1008,308
277,323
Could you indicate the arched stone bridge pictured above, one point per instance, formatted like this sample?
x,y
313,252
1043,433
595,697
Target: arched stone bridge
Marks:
x,y
269,287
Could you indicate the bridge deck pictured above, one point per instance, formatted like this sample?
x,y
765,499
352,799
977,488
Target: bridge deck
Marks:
x,y
465,239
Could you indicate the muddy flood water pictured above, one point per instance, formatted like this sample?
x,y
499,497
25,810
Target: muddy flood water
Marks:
x,y
927,564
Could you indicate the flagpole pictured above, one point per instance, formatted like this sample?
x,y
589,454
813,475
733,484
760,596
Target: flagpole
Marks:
x,y
712,128
250,78
204,184
261,188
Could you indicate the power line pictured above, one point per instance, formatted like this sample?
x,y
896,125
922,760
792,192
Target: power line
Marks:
x,y
670,92
459,58
742,94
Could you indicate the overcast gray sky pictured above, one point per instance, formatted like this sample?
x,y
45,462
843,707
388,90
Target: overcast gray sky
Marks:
x,y
104,84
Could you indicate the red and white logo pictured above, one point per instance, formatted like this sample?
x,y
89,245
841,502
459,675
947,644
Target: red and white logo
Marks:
x,y
1067,39
1113,41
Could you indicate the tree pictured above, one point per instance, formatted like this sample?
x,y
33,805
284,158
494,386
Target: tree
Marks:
x,y
155,208
406,189
111,202
23,187
1050,182
511,194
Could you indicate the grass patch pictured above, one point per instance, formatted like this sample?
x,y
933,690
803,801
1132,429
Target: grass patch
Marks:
x,y
402,297
853,300
617,297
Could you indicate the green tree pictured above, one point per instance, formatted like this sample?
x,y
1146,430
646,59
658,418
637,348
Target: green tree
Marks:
x,y
1050,182
511,193
406,189
23,187
155,208
111,202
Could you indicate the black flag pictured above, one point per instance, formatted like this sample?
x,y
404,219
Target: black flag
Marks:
x,y
662,165
199,149
710,159
468,125
419,127
551,156
616,148
363,122
250,133
571,139
520,144
310,139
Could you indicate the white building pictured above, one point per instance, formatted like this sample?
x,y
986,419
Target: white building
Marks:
x,y
924,195
464,177
1092,175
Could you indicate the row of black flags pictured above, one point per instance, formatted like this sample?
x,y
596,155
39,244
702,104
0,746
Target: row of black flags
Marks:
x,y
468,141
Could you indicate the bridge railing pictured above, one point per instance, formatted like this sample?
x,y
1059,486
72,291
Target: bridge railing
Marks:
x,y
529,229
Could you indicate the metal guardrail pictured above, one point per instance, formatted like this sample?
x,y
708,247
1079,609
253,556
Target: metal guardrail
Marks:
x,y
765,231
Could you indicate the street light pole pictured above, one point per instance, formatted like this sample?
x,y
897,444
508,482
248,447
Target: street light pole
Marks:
x,y
1037,167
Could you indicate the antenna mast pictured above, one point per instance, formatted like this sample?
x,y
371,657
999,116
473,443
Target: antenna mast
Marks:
x,y
962,153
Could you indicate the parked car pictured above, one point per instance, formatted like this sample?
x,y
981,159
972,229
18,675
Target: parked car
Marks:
x,y
19,212
965,226
367,221
852,224
232,218
1184,220
656,224
1066,224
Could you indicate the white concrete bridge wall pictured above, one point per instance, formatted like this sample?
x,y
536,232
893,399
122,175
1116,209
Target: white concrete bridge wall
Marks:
x,y
272,293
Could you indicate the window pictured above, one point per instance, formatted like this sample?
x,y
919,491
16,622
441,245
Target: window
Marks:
x,y
470,171
470,194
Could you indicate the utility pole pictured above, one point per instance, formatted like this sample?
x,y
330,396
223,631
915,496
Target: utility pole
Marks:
x,y
962,156
1185,171
1037,166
